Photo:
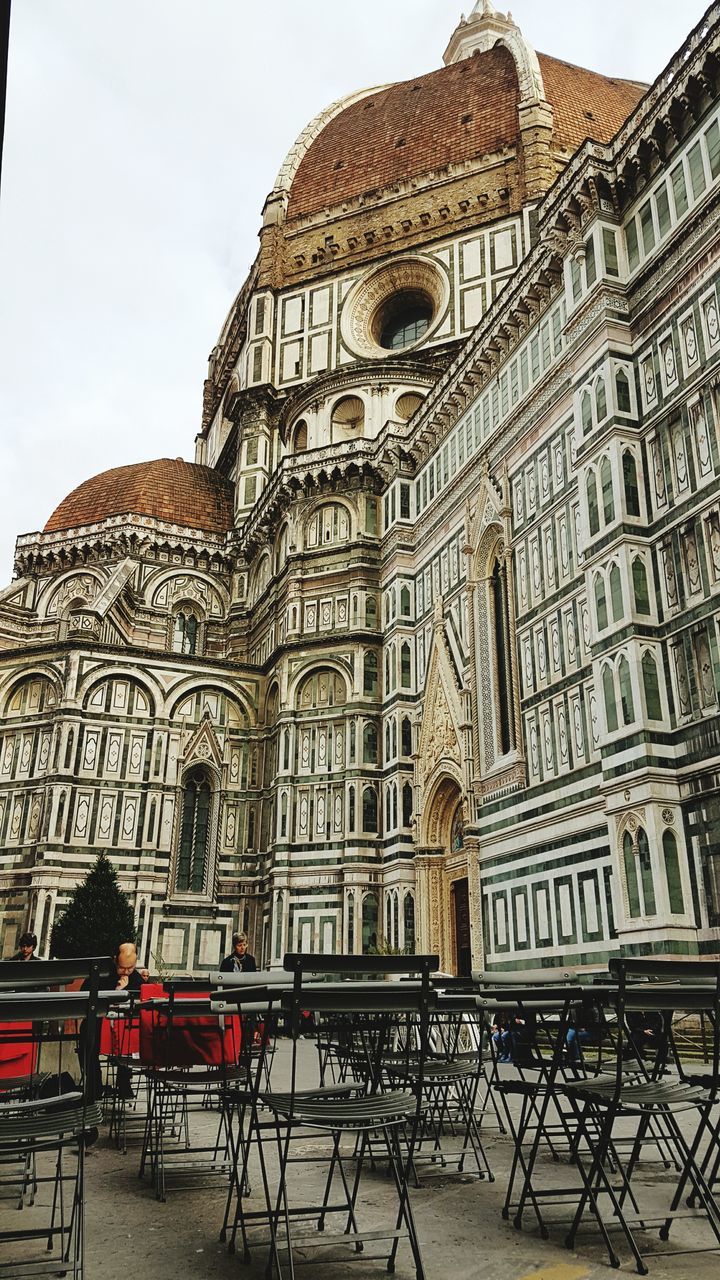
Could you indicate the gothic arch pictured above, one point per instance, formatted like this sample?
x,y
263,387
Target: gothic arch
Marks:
x,y
195,588
336,665
76,584
329,502
12,681
150,687
271,703
191,685
440,752
444,794
260,575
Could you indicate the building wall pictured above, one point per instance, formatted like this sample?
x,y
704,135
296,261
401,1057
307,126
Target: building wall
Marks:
x,y
455,674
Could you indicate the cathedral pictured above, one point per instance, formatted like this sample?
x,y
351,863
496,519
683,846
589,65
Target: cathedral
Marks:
x,y
422,650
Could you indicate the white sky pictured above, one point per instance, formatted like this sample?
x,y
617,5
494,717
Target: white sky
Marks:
x,y
142,137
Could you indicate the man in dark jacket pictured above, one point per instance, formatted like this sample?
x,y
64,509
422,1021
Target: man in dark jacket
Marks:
x,y
27,943
239,960
124,975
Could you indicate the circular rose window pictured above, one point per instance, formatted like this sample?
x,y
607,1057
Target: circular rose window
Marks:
x,y
394,308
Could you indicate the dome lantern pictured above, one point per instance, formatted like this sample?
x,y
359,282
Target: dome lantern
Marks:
x,y
482,31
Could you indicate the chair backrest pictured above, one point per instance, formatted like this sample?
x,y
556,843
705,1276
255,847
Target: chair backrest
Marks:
x,y
23,975
664,986
384,1015
527,977
358,966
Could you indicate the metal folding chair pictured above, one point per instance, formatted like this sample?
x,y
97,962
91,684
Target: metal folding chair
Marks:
x,y
392,1116
50,1131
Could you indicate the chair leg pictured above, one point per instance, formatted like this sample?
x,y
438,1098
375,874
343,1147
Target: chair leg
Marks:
x,y
400,1174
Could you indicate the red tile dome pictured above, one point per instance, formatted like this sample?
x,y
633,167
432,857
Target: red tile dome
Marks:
x,y
459,113
168,489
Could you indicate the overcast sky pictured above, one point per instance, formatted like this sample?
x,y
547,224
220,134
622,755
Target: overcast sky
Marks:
x,y
142,137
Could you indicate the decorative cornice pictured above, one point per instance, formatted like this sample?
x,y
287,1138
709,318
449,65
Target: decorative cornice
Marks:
x,y
119,535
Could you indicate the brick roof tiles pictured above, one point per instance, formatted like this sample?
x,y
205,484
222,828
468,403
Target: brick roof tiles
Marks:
x,y
168,489
585,104
463,111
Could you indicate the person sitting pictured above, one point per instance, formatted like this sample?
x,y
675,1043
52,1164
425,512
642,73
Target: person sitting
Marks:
x,y
648,1035
239,960
27,946
124,975
523,1033
502,1038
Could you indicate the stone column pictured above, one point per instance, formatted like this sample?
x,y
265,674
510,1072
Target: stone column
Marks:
x,y
477,942
432,906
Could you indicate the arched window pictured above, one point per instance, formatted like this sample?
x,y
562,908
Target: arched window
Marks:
x,y
350,908
606,485
405,666
631,878
370,744
300,437
503,667
351,809
286,750
457,831
409,914
592,502
407,804
640,586
646,876
406,737
387,809
601,400
405,602
626,697
185,629
371,612
394,807
616,596
630,483
586,411
370,675
353,733
611,716
279,925
622,391
387,743
283,814
672,874
369,805
194,832
369,923
651,687
600,602
281,552
394,738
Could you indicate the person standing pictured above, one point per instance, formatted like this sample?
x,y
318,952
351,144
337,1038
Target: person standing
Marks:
x,y
239,960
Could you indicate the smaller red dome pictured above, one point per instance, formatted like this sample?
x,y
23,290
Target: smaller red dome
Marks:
x,y
168,489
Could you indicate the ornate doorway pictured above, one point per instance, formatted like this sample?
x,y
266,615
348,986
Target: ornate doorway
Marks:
x,y
442,880
461,920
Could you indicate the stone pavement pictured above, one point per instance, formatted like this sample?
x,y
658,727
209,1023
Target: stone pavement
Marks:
x,y
131,1236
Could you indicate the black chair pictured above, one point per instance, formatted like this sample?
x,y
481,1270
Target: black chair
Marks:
x,y
386,1015
645,1097
51,1131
